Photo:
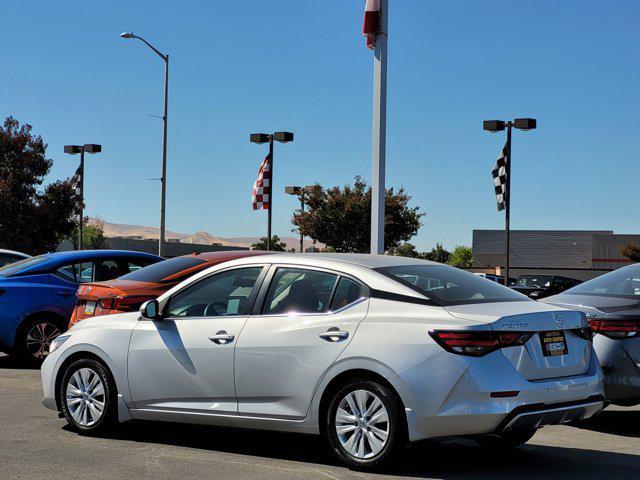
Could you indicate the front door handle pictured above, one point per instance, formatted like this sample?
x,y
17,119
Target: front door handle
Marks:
x,y
222,338
334,334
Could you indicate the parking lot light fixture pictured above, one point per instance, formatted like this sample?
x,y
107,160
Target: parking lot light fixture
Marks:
x,y
260,138
82,149
299,191
163,176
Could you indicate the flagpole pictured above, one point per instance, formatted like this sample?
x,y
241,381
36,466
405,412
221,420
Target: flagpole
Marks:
x,y
379,133
508,204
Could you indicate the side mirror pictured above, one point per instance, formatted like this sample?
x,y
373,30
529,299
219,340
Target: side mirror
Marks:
x,y
150,310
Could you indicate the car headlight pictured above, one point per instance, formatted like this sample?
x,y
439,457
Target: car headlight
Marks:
x,y
56,342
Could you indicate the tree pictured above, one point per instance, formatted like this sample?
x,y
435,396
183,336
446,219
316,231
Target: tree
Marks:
x,y
276,244
461,256
32,219
631,251
92,235
437,254
405,250
341,217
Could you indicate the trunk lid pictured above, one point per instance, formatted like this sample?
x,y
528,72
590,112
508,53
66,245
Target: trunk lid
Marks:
x,y
530,359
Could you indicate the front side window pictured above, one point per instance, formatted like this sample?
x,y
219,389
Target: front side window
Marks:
x,y
227,293
300,291
451,286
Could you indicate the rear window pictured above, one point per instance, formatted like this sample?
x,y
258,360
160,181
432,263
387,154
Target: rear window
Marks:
x,y
159,271
17,267
624,282
451,286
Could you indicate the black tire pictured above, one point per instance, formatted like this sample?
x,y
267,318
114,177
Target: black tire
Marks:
x,y
511,439
396,439
109,416
26,346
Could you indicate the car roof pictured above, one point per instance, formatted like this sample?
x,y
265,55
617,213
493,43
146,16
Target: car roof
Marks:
x,y
58,258
367,260
223,255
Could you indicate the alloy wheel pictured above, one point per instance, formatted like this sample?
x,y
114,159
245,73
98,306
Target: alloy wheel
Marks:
x,y
39,338
85,397
362,424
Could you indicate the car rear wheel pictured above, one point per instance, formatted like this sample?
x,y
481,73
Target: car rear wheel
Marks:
x,y
35,336
511,439
364,426
88,396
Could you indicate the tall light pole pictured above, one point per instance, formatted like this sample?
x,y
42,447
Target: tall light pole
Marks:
x,y
163,177
259,138
81,149
498,126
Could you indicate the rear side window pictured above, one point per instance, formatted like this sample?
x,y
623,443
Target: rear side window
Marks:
x,y
346,293
300,291
77,272
157,272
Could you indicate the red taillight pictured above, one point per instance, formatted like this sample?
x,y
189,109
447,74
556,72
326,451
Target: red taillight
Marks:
x,y
476,344
123,304
616,329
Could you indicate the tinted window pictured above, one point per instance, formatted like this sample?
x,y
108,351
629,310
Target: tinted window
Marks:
x,y
624,282
106,270
17,267
223,294
134,265
451,286
161,270
346,293
535,281
300,291
77,272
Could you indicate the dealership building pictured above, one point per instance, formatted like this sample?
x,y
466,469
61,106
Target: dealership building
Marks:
x,y
579,254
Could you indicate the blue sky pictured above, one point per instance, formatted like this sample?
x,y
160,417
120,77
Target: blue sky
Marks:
x,y
244,66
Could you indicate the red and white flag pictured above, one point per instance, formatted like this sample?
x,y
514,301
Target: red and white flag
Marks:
x,y
262,186
371,27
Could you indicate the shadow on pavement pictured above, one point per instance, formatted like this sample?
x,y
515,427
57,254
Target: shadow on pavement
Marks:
x,y
11,362
615,422
446,459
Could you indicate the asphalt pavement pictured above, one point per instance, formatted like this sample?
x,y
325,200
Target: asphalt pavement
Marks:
x,y
35,444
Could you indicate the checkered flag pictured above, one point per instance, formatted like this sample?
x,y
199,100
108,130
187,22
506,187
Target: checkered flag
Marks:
x,y
76,183
262,186
499,174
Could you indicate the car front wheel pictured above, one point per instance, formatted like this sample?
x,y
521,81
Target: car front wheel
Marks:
x,y
88,396
364,426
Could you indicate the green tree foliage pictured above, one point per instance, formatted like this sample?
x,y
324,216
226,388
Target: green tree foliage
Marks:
x,y
32,220
276,244
405,250
461,256
92,235
437,254
631,251
341,217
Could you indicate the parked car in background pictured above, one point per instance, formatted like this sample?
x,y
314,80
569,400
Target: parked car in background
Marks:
x,y
612,305
541,286
496,278
37,295
127,293
10,256
370,350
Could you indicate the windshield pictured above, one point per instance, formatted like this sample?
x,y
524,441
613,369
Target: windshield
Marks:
x,y
451,286
624,282
159,271
534,281
18,267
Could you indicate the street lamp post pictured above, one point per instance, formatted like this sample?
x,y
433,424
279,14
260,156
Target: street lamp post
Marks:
x,y
259,138
163,177
498,126
81,149
293,190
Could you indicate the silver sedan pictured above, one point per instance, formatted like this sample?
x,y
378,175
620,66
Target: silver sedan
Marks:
x,y
369,351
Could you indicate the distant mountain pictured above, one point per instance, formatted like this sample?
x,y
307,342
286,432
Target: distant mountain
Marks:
x,y
200,237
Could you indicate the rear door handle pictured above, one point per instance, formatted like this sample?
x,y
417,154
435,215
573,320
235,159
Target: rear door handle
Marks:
x,y
334,334
221,338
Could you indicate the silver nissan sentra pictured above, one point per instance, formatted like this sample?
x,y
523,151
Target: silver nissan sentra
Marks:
x,y
369,351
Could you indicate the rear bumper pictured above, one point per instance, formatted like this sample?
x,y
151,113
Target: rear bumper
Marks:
x,y
620,361
536,416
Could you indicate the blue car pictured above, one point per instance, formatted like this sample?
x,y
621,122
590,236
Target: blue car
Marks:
x,y
38,294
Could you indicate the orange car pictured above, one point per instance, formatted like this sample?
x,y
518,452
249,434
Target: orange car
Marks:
x,y
127,293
